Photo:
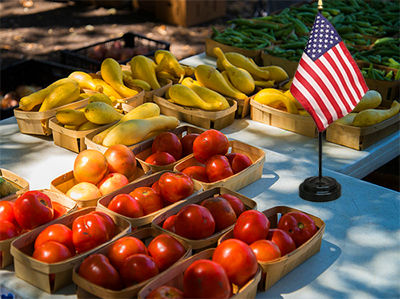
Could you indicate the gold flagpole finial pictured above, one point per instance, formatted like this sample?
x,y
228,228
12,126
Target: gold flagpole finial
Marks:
x,y
320,5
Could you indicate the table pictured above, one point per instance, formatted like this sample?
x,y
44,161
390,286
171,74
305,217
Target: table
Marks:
x,y
360,251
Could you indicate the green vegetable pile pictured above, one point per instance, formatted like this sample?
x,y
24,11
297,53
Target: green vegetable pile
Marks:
x,y
368,29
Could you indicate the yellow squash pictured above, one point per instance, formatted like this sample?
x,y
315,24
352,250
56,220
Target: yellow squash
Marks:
x,y
145,110
166,61
210,77
63,94
28,102
206,94
239,77
244,62
370,117
101,113
370,100
144,68
136,130
111,72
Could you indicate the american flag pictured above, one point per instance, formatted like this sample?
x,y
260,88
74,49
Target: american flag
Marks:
x,y
328,82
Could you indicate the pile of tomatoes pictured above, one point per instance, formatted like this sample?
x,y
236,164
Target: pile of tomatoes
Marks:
x,y
168,148
128,261
31,209
58,242
210,149
232,263
98,174
212,215
253,228
169,188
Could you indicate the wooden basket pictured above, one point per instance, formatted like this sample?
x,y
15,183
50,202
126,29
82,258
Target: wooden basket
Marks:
x,y
360,138
5,255
243,107
238,180
21,184
35,122
199,117
143,150
297,123
87,289
72,140
67,180
174,277
197,199
276,269
51,277
102,204
129,103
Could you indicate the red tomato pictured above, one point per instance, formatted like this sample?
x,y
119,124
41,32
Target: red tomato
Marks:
x,y
7,211
206,279
218,168
59,209
8,230
235,202
160,158
238,161
97,269
137,268
169,223
121,159
251,226
238,260
148,199
298,225
111,182
156,187
282,239
126,205
51,252
196,172
194,222
265,250
165,292
124,247
165,250
221,211
108,222
56,232
90,166
208,144
88,231
187,143
175,186
167,142
32,209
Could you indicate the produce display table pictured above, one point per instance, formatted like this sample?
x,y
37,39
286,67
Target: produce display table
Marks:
x,y
359,250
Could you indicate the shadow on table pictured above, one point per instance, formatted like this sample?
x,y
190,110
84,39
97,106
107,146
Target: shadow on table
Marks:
x,y
305,273
267,179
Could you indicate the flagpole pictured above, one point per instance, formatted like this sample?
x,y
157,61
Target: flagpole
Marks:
x,y
320,189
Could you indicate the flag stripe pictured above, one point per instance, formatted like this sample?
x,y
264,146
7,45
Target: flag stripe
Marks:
x,y
337,70
307,78
346,74
359,79
335,81
322,81
302,95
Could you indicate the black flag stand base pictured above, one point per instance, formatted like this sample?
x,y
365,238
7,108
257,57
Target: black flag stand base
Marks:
x,y
320,188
